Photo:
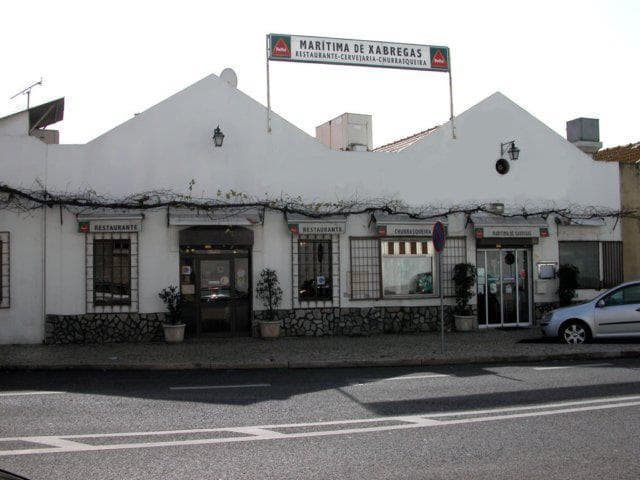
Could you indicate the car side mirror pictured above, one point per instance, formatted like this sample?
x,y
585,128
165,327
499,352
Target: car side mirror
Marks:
x,y
601,303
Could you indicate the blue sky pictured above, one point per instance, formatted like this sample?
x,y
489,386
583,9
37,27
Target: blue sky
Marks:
x,y
559,60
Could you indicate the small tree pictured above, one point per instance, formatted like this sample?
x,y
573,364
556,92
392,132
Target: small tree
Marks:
x,y
464,277
269,291
568,282
174,302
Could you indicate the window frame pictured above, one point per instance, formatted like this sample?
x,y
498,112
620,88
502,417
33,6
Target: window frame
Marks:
x,y
5,270
315,265
457,254
92,306
108,265
364,291
454,252
297,302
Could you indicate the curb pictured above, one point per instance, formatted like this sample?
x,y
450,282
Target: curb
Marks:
x,y
317,364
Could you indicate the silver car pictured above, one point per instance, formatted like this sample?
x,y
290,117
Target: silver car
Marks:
x,y
614,313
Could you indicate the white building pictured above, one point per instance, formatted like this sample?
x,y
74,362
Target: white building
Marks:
x,y
94,274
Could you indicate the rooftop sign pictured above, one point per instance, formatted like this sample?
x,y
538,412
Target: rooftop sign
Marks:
x,y
365,53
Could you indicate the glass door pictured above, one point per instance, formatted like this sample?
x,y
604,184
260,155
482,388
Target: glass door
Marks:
x,y
508,287
523,283
503,287
216,312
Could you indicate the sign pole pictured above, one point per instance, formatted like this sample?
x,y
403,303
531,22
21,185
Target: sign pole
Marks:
x,y
268,91
453,125
439,238
441,301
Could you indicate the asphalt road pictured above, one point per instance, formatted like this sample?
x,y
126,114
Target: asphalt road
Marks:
x,y
556,420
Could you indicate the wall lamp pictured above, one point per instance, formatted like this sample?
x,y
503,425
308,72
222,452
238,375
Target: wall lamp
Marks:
x,y
511,149
218,137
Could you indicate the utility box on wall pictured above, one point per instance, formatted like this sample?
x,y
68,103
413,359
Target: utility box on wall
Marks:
x,y
349,131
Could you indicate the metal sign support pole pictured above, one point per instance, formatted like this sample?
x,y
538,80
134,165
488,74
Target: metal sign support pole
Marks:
x,y
441,301
453,125
268,91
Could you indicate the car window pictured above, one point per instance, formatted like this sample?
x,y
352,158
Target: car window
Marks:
x,y
631,294
623,296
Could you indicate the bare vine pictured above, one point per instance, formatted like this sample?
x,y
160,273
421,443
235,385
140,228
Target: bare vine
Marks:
x,y
20,199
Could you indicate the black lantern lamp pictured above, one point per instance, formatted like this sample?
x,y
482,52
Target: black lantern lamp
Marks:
x,y
218,137
511,149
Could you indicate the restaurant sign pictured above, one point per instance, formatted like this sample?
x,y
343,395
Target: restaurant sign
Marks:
x,y
511,232
406,230
365,53
317,228
109,226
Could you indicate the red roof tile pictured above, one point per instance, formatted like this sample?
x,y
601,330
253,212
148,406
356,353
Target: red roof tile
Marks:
x,y
623,154
403,143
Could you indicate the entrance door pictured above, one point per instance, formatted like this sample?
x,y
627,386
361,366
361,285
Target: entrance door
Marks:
x,y
504,287
224,300
216,287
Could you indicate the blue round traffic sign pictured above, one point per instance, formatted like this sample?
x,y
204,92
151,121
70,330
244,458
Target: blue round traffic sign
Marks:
x,y
438,236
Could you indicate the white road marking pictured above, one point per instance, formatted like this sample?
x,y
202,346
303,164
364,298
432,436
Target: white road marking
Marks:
x,y
416,377
29,392
71,443
574,366
213,387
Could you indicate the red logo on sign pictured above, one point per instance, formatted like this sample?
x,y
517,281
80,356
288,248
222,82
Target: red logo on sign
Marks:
x,y
438,60
280,49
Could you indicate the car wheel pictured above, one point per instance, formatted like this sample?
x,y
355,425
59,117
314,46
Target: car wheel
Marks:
x,y
574,333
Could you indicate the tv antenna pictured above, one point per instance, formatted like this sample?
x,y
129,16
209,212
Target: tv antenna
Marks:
x,y
27,92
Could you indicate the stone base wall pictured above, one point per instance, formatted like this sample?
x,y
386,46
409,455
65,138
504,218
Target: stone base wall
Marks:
x,y
104,328
358,321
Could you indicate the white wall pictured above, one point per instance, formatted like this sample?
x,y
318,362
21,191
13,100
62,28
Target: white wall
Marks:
x,y
23,321
16,124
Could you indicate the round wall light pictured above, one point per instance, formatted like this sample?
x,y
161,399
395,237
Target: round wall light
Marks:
x,y
502,166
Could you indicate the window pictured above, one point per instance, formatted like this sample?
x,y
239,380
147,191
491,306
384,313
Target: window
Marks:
x,y
404,273
365,268
624,296
314,269
455,251
4,270
585,256
404,267
112,272
611,264
588,257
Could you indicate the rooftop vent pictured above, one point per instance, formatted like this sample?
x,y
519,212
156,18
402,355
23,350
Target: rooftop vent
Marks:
x,y
584,133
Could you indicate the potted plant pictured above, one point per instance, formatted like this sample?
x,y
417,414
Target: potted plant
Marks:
x,y
173,326
567,283
464,277
270,293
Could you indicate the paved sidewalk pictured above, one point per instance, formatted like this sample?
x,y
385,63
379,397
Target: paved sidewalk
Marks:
x,y
310,352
